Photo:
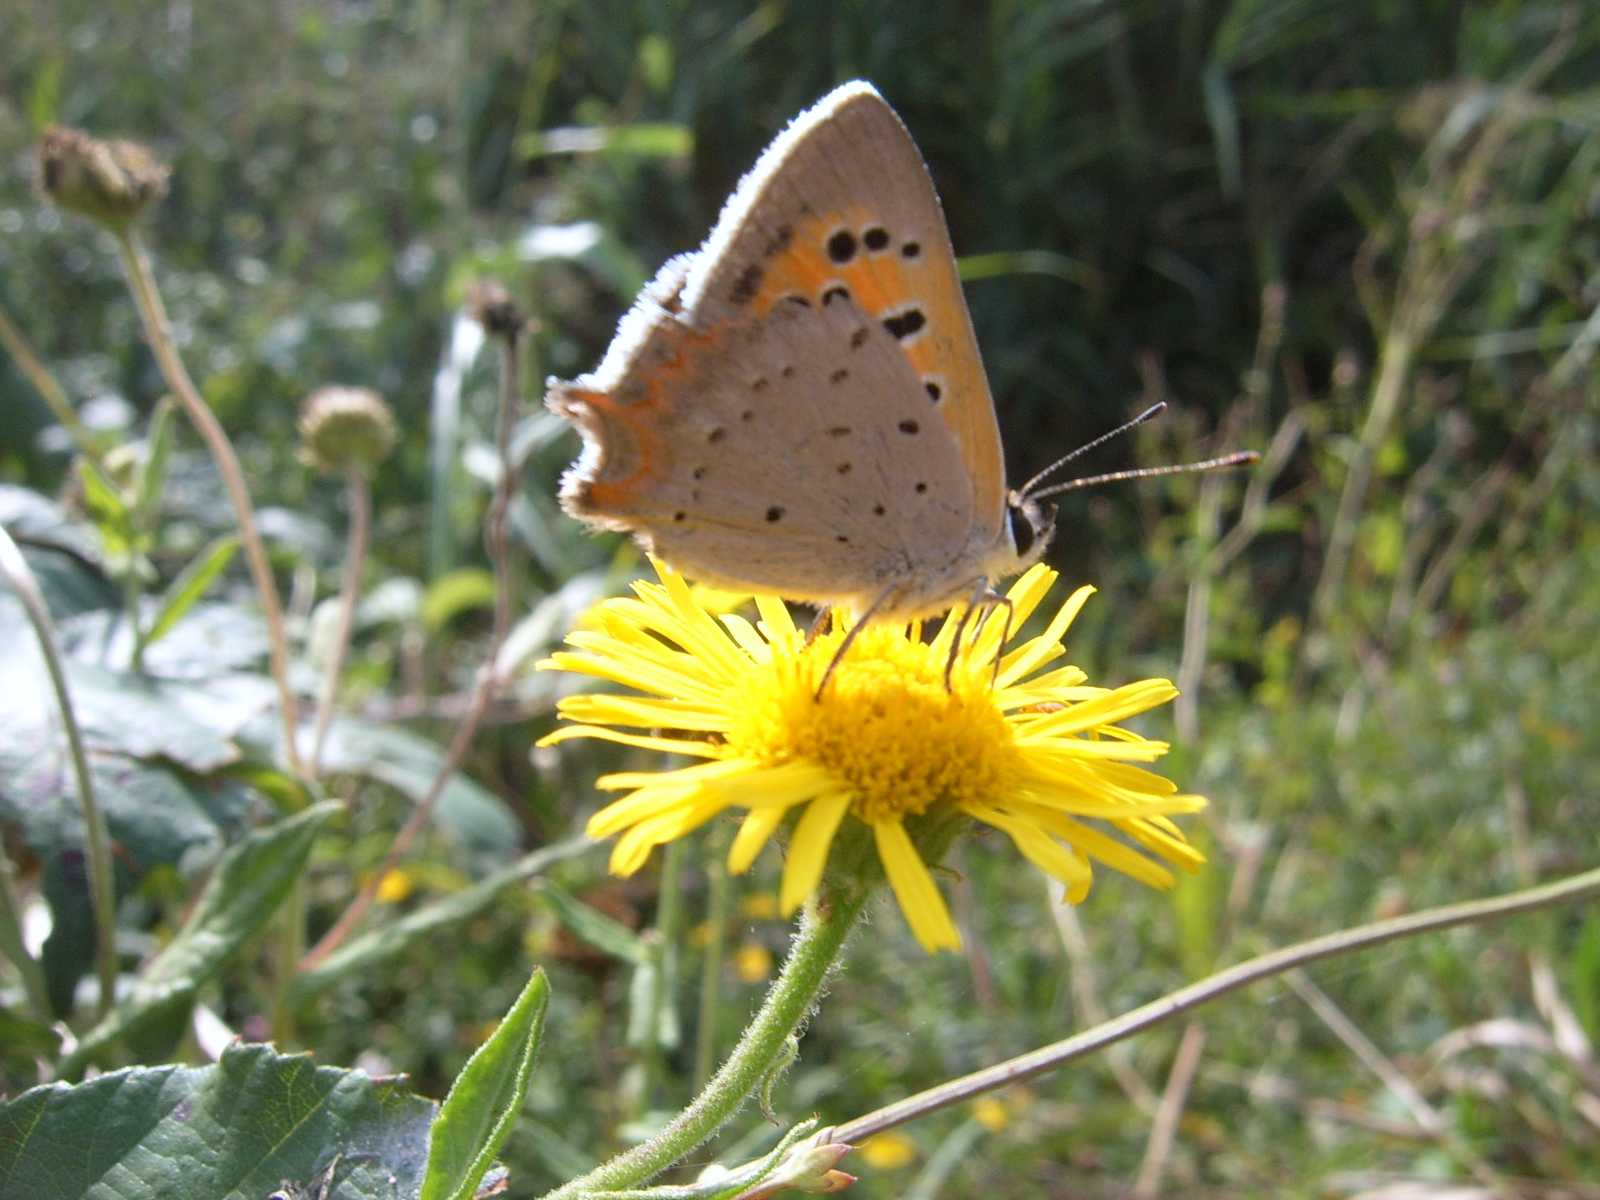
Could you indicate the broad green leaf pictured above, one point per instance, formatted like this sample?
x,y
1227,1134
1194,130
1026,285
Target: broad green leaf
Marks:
x,y
469,812
485,1099
361,954
457,592
256,1122
190,585
243,892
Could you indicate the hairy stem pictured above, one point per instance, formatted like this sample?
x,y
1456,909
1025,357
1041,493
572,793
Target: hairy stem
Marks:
x,y
816,947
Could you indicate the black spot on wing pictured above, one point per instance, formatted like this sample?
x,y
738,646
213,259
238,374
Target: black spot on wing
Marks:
x,y
842,246
747,284
903,324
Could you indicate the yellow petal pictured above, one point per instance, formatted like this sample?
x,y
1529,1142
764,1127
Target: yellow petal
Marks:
x,y
808,849
914,888
753,834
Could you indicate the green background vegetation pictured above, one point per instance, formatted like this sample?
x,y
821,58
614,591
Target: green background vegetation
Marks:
x,y
1363,238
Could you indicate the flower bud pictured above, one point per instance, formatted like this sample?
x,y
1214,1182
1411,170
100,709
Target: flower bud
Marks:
x,y
345,429
808,1167
109,182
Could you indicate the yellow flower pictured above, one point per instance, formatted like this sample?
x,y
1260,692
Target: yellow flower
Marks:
x,y
752,962
889,763
887,1151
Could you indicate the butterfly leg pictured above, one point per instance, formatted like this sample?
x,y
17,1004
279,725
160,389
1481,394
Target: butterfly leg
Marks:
x,y
986,599
872,610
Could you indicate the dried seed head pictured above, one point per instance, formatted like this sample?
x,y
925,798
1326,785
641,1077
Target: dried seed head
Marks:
x,y
345,429
492,307
109,182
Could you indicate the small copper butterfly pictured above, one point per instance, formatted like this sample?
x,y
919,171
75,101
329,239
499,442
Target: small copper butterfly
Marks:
x,y
799,408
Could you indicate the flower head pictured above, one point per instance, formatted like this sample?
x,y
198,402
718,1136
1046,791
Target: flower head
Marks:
x,y
107,181
345,429
884,767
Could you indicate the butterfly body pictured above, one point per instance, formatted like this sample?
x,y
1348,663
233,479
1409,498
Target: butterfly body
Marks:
x,y
800,407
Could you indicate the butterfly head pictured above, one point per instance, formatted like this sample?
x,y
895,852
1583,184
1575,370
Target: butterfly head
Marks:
x,y
1031,524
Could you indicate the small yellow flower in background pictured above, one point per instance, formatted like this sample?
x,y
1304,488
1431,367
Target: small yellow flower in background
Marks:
x,y
395,886
759,906
888,758
990,1113
886,1151
752,962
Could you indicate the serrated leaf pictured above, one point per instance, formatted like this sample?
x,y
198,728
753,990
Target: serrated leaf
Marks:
x,y
361,954
191,584
485,1098
242,894
251,1124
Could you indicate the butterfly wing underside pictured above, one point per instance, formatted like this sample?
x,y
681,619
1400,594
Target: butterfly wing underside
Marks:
x,y
801,407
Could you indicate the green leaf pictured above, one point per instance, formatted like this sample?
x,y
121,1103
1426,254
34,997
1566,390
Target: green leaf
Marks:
x,y
485,1099
472,814
455,593
190,585
593,926
359,955
649,139
152,481
256,1122
241,895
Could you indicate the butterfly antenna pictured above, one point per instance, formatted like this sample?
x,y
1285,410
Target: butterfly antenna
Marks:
x,y
1154,410
1239,458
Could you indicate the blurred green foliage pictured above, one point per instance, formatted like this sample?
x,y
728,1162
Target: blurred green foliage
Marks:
x,y
1362,237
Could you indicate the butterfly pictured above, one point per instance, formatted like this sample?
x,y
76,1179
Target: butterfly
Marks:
x,y
799,408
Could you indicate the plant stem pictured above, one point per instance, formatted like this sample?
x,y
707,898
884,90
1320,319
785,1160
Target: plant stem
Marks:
x,y
158,329
355,556
102,894
15,948
1565,891
815,949
705,1046
45,384
488,682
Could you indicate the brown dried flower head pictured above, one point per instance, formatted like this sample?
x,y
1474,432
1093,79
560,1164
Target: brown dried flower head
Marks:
x,y
111,182
345,429
492,307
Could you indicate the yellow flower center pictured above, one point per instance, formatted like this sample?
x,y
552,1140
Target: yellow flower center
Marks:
x,y
887,728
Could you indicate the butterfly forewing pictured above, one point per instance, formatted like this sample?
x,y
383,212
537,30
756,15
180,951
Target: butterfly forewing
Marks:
x,y
841,205
800,407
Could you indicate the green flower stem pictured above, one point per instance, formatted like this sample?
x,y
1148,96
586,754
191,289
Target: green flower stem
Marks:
x,y
355,556
490,675
816,947
705,1045
102,896
158,329
1571,890
47,387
